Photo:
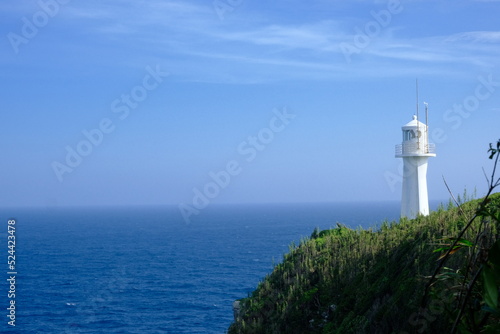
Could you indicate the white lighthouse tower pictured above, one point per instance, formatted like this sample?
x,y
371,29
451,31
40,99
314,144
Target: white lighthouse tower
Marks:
x,y
415,151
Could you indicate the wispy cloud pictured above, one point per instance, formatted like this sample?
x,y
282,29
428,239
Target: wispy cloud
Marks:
x,y
476,36
190,36
153,11
320,36
449,49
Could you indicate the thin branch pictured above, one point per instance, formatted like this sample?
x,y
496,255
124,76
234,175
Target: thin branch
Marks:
x,y
497,183
472,262
494,170
492,186
451,194
462,308
446,256
443,260
486,177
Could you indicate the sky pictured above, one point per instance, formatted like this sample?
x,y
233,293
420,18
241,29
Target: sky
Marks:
x,y
194,103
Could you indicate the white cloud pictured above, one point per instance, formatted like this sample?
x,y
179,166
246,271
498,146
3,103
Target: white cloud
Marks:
x,y
476,36
319,36
183,33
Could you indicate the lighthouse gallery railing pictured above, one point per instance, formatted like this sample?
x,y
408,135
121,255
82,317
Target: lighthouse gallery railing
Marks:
x,y
413,148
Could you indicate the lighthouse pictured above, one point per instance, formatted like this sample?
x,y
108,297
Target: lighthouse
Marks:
x,y
415,150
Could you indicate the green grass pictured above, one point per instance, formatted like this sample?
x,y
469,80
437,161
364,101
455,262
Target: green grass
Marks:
x,y
361,281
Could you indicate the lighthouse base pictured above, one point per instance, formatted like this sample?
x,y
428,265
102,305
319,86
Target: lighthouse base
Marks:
x,y
415,199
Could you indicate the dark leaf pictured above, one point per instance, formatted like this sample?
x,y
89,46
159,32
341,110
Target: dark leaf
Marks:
x,y
490,288
494,255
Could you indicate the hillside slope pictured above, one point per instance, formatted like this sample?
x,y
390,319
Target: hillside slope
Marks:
x,y
364,281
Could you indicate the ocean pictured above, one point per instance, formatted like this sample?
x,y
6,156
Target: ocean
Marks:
x,y
144,270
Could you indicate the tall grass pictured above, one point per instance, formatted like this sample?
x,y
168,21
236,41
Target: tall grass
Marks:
x,y
360,281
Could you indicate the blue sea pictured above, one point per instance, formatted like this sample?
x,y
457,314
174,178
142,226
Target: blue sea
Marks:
x,y
144,270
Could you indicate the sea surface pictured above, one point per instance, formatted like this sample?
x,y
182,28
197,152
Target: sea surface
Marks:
x,y
144,270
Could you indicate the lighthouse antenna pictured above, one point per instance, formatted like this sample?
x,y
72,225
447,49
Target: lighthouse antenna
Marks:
x,y
426,127
426,114
418,125
416,86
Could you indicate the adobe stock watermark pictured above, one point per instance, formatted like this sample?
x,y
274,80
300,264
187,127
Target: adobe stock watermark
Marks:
x,y
372,29
221,7
455,116
32,25
248,150
121,107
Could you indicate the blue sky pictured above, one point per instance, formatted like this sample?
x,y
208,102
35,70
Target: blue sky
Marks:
x,y
283,101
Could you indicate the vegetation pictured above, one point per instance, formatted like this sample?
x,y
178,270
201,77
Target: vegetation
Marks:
x,y
433,274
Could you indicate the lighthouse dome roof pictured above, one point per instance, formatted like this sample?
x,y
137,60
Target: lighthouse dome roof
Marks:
x,y
413,123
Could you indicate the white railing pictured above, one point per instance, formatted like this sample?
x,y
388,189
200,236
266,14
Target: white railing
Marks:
x,y
413,148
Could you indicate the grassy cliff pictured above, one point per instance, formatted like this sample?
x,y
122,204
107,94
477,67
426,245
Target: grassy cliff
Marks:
x,y
373,281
